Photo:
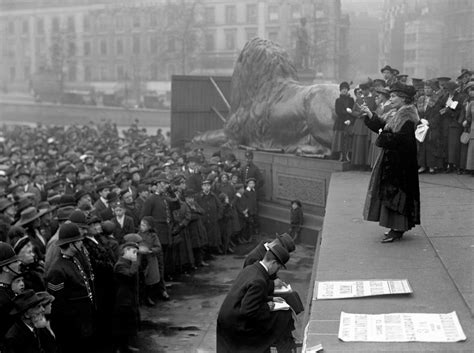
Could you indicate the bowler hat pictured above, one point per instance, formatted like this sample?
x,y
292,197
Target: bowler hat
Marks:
x,y
80,193
403,90
23,171
64,213
67,200
79,218
280,253
69,169
103,185
286,240
378,81
250,179
28,215
7,254
464,72
161,178
206,181
68,233
384,91
24,301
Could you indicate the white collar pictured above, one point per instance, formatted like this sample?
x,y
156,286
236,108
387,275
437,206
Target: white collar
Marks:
x,y
104,200
266,246
265,267
249,189
238,195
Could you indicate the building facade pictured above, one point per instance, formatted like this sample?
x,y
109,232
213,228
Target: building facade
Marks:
x,y
134,42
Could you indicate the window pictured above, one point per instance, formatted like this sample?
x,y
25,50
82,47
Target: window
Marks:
x,y
102,23
70,24
87,48
119,46
86,23
55,24
251,33
11,27
103,47
87,73
154,71
252,13
12,74
103,73
119,22
209,15
136,21
209,42
71,49
40,26
273,14
295,11
230,15
120,72
230,39
136,44
171,45
153,45
25,27
71,72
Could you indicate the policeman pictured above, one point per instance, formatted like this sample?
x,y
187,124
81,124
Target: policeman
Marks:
x,y
72,286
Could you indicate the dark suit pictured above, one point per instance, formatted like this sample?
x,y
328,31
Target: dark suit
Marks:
x,y
127,228
6,305
21,339
245,322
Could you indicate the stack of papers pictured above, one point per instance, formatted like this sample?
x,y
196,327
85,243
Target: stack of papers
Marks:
x,y
281,306
284,289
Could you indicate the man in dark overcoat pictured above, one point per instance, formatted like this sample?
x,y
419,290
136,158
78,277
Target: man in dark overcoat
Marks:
x,y
212,212
251,171
74,304
246,321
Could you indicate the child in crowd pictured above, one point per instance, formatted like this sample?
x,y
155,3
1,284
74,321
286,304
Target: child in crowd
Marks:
x,y
152,259
126,310
296,219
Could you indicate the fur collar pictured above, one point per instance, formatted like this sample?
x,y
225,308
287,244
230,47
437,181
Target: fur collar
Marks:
x,y
402,115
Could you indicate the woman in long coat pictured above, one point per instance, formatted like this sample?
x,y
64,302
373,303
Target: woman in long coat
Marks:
x,y
393,196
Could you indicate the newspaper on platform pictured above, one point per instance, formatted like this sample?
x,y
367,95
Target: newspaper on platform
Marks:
x,y
400,327
355,289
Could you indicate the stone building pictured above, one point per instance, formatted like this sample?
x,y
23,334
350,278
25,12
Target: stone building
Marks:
x,y
112,43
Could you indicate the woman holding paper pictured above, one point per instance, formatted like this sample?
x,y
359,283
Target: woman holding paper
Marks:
x,y
393,196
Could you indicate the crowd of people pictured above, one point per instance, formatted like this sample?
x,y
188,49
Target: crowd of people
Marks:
x,y
93,224
444,105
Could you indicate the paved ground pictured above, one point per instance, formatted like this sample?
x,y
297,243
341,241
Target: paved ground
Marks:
x,y
436,257
187,323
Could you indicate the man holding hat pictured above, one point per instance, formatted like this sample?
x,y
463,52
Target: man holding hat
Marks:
x,y
9,268
68,282
29,333
247,321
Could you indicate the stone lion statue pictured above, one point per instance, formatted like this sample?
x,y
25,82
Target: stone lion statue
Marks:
x,y
270,109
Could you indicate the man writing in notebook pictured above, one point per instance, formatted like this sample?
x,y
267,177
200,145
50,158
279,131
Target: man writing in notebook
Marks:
x,y
248,320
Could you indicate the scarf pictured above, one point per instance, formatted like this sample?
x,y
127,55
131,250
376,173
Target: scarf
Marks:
x,y
397,118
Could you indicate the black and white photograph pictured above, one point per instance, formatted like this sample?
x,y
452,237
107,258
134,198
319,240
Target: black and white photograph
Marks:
x,y
236,176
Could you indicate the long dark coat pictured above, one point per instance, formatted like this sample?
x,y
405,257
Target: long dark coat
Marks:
x,y
245,323
342,103
399,189
212,212
20,339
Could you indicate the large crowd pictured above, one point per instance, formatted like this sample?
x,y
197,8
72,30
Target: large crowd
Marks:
x,y
93,224
445,108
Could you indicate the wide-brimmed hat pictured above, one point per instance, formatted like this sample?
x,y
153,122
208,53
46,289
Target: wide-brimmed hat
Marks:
x,y
24,301
67,200
7,254
450,85
286,240
5,203
464,72
64,213
68,233
21,243
387,68
383,90
28,215
403,90
81,193
280,253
